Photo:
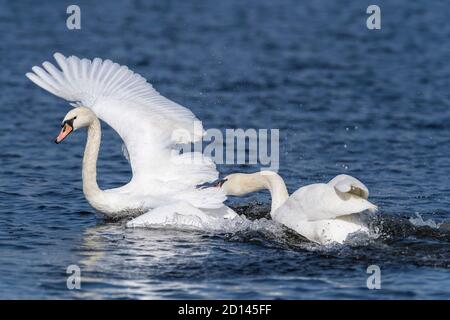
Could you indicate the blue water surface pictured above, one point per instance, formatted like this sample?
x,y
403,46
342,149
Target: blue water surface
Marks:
x,y
371,103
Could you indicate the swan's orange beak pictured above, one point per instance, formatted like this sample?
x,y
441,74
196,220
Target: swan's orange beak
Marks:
x,y
65,131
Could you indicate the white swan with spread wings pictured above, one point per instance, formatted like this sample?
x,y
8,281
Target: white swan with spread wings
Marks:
x,y
150,126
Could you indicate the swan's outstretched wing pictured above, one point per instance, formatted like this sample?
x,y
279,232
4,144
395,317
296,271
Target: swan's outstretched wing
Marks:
x,y
148,123
347,184
95,83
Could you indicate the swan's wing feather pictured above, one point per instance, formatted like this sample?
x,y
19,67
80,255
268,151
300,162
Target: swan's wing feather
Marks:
x,y
42,83
89,83
347,184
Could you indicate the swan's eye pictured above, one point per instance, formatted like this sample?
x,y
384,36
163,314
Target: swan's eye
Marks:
x,y
220,183
68,122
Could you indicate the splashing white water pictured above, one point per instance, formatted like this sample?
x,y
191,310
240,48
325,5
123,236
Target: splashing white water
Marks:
x,y
418,221
243,223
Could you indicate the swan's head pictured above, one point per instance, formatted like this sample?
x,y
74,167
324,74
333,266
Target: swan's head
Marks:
x,y
233,184
77,118
239,184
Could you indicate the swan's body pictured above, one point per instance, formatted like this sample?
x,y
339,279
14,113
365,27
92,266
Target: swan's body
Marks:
x,y
150,125
322,212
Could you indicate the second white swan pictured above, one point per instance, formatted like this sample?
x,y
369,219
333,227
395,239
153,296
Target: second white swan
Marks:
x,y
321,212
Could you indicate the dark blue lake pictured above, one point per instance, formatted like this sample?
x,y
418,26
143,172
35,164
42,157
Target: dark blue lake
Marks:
x,y
374,104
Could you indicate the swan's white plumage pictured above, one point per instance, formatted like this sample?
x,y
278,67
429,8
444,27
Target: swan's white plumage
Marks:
x,y
321,201
149,124
327,212
348,184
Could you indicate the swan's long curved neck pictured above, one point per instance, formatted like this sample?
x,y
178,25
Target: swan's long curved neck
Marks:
x,y
247,183
276,186
90,186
